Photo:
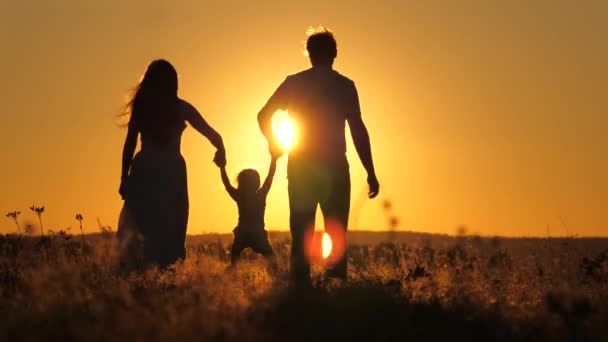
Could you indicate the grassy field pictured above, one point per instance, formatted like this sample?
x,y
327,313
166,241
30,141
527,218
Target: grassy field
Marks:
x,y
418,286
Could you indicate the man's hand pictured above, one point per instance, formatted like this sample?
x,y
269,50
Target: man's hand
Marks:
x,y
220,158
374,186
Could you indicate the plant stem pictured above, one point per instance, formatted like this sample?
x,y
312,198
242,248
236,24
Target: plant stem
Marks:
x,y
82,234
40,220
18,227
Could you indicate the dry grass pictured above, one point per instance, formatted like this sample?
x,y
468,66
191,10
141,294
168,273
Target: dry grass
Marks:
x,y
420,287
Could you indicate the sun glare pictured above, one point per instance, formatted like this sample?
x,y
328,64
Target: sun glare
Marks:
x,y
286,133
326,245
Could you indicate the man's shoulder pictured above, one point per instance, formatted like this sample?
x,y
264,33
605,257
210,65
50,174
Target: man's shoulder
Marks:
x,y
343,77
298,75
306,74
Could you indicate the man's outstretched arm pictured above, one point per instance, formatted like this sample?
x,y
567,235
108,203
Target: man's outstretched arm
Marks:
x,y
364,150
277,101
265,121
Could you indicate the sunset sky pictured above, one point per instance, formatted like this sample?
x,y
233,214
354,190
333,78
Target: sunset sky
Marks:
x,y
489,114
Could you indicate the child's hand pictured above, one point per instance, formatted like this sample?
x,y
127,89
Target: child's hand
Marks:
x,y
220,158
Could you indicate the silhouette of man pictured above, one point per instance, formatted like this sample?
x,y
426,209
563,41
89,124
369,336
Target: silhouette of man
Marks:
x,y
320,101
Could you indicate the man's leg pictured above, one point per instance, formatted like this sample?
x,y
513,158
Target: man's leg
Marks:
x,y
336,209
302,208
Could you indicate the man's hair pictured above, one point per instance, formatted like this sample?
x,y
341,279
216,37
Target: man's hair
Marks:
x,y
321,46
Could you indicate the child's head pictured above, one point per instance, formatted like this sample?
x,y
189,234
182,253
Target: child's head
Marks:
x,y
249,180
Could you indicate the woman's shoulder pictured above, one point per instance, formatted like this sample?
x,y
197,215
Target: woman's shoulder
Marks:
x,y
186,110
185,106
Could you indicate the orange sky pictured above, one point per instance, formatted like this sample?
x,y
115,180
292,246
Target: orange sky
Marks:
x,y
482,114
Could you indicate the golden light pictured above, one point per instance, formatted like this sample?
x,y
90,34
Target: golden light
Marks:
x,y
326,245
285,131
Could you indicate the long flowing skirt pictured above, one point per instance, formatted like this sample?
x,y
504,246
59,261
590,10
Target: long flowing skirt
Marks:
x,y
154,217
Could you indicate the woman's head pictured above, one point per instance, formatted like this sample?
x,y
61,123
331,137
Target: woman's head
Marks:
x,y
160,79
248,180
153,106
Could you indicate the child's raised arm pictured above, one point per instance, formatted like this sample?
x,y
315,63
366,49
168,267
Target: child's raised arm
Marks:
x,y
229,188
268,182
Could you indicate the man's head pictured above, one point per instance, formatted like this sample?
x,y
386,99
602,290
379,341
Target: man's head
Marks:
x,y
321,46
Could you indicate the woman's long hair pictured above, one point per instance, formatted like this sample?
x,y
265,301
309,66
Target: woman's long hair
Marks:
x,y
152,108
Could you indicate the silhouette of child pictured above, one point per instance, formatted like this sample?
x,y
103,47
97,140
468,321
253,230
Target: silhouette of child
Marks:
x,y
251,201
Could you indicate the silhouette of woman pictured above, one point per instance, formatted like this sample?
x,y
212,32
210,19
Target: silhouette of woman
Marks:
x,y
153,220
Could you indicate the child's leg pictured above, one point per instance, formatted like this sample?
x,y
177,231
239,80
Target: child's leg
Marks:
x,y
261,245
237,247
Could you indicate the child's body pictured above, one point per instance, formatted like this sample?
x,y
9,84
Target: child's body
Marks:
x,y
250,198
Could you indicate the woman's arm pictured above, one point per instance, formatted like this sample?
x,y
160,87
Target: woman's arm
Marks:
x,y
127,156
195,119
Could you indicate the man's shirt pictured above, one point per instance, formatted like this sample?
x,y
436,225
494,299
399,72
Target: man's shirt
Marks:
x,y
319,100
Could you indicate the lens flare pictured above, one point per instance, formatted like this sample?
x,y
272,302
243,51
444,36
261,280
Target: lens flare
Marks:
x,y
286,133
326,245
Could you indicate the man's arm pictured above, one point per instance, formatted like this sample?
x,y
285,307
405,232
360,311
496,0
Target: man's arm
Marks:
x,y
268,182
360,137
265,121
364,150
277,101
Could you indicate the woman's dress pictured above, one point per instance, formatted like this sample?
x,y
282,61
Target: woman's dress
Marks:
x,y
152,223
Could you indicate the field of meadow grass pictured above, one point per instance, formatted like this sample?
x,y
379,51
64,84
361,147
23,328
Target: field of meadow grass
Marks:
x,y
63,287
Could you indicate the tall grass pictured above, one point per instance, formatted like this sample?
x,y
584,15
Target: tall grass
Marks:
x,y
452,288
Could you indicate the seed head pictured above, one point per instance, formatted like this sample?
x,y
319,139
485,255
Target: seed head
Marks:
x,y
13,214
37,210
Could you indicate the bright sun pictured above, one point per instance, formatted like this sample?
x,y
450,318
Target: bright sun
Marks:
x,y
326,245
286,133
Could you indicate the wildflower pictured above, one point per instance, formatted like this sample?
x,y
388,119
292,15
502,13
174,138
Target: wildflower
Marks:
x,y
39,211
80,218
15,216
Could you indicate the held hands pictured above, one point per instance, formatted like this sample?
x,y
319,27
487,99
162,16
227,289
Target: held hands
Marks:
x,y
374,186
275,150
275,155
220,158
